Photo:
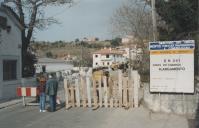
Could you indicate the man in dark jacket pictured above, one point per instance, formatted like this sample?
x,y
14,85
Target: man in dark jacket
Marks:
x,y
51,90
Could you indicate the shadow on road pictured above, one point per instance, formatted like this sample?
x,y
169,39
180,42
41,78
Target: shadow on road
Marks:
x,y
58,107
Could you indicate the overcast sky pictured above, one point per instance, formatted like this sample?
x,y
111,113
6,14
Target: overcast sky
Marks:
x,y
87,18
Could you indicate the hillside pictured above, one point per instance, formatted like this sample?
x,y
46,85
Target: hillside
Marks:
x,y
74,51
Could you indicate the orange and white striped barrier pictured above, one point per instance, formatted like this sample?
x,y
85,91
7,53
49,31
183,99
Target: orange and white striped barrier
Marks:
x,y
27,92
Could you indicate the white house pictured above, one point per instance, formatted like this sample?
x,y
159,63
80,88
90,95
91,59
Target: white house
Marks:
x,y
10,53
106,57
129,39
134,53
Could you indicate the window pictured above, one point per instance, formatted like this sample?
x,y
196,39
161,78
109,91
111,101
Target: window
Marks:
x,y
3,22
107,63
103,63
96,63
107,56
96,56
9,69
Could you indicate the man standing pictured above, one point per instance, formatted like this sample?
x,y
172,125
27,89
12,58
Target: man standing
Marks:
x,y
41,87
51,90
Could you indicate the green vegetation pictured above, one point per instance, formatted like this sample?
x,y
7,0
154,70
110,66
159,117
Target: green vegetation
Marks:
x,y
181,17
31,15
116,41
176,20
80,52
49,54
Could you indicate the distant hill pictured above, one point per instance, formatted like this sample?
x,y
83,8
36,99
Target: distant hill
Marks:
x,y
74,51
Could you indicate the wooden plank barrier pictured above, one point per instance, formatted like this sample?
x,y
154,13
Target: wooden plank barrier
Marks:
x,y
120,87
83,92
125,82
105,92
102,92
67,105
95,97
72,93
88,85
115,94
77,94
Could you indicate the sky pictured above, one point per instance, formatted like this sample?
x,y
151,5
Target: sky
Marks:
x,y
87,18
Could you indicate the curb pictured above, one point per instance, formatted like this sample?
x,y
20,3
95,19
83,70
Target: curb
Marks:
x,y
10,103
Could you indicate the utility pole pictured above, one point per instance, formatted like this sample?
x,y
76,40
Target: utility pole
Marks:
x,y
198,20
197,52
154,20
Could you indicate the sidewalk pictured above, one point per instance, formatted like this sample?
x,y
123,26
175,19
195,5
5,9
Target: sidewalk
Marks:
x,y
5,104
12,102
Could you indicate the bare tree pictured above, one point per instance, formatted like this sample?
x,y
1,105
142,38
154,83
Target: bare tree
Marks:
x,y
31,15
133,18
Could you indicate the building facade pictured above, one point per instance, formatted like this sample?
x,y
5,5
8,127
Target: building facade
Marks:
x,y
10,53
106,57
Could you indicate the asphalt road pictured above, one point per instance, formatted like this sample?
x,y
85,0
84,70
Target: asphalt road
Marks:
x,y
29,117
18,116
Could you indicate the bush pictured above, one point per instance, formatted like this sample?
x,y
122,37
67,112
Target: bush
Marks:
x,y
49,54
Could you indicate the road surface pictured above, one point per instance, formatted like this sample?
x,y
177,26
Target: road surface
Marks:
x,y
18,116
29,117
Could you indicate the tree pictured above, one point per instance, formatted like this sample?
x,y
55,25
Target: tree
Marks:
x,y
132,18
76,40
84,58
116,41
181,17
31,16
182,20
97,39
49,54
30,60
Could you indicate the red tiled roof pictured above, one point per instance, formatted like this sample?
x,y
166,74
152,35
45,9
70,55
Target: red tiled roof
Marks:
x,y
109,51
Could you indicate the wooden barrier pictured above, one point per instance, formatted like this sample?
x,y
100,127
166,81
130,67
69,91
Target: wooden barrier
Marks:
x,y
102,92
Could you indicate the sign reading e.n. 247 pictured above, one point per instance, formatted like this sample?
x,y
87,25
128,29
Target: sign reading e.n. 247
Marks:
x,y
172,66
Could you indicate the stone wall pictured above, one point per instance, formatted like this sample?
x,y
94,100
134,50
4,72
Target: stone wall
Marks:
x,y
170,103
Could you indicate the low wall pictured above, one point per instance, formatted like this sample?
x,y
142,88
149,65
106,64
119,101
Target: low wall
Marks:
x,y
171,103
30,81
8,89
